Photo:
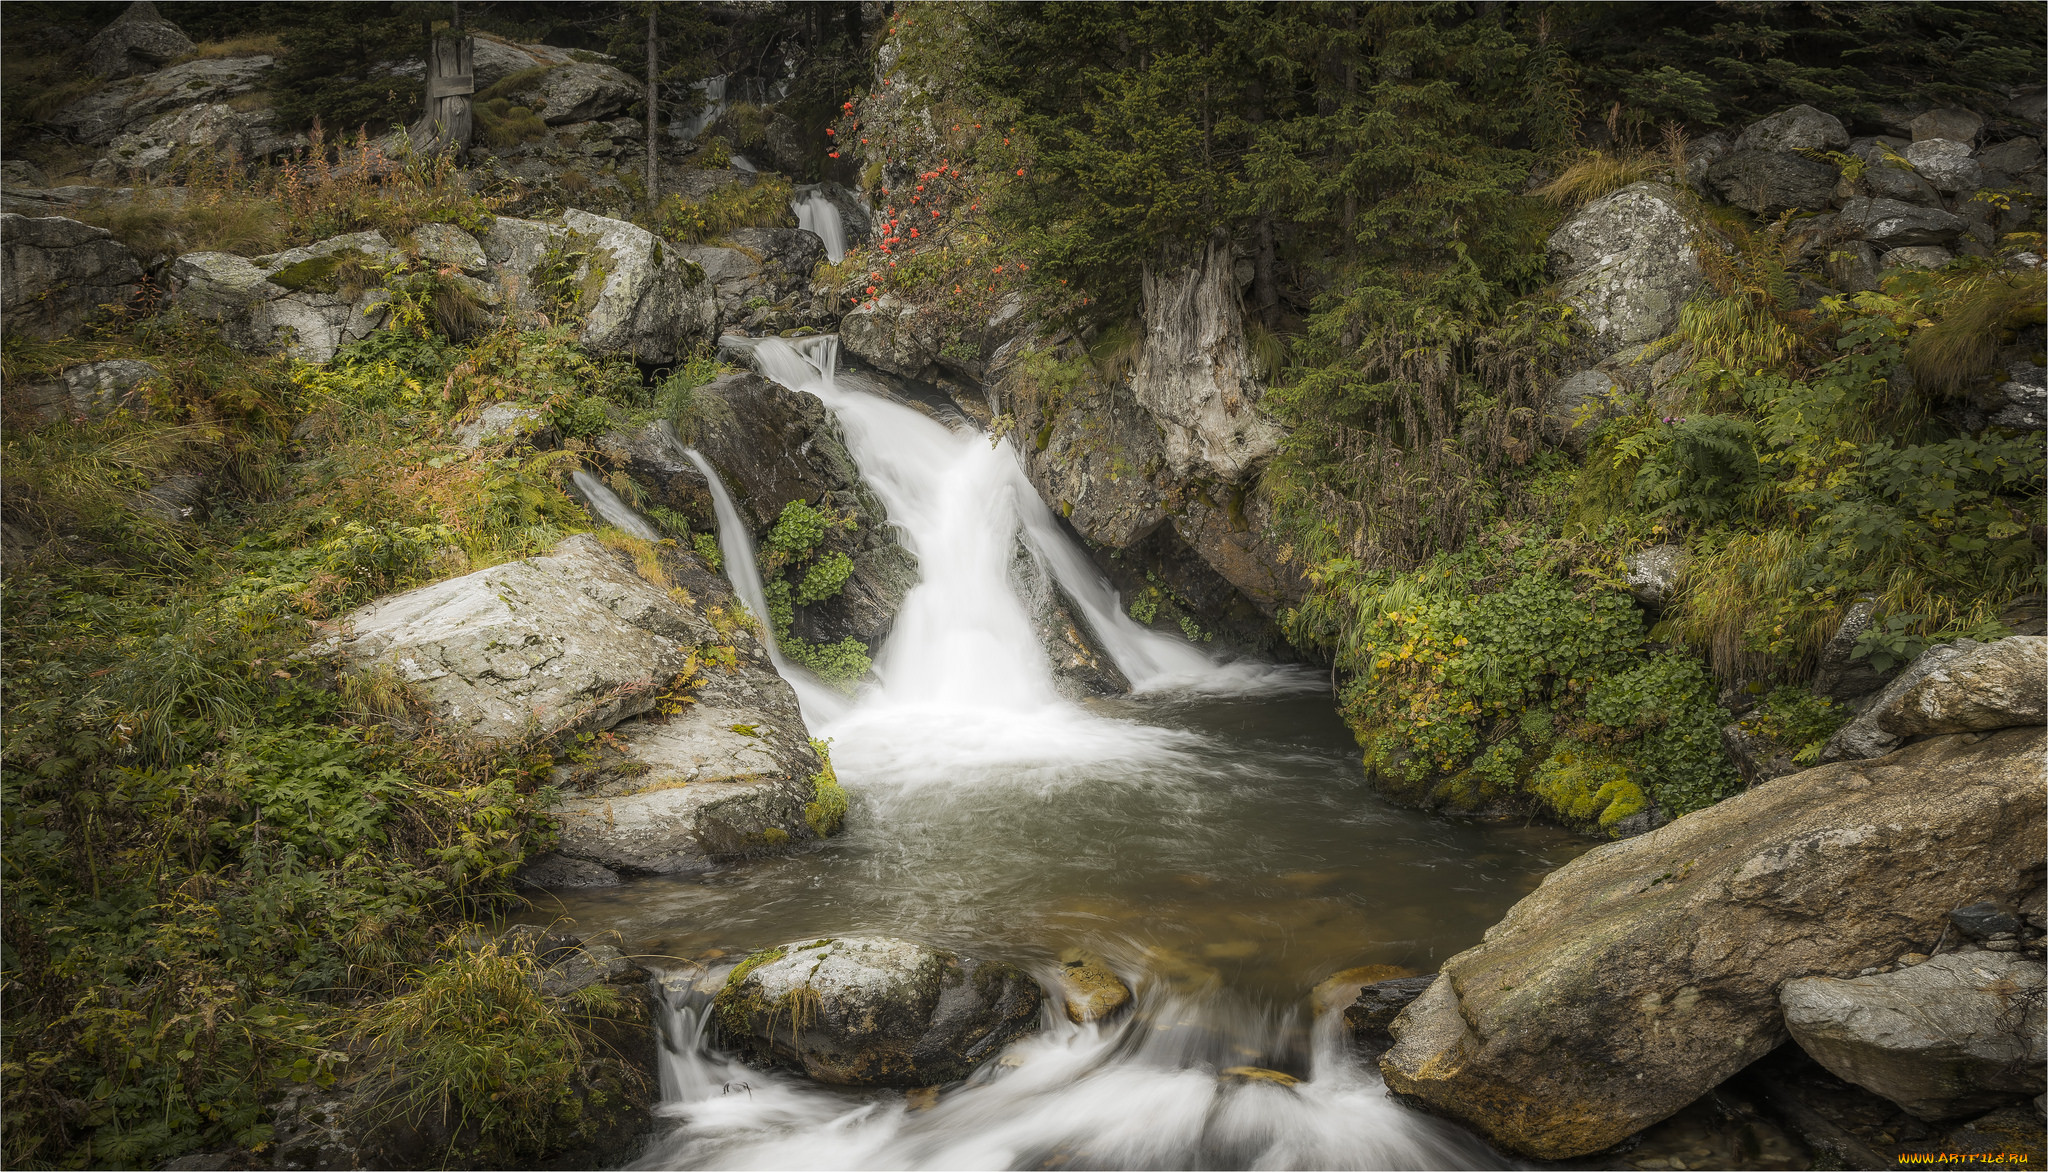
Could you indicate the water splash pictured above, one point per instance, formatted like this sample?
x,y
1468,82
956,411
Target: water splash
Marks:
x,y
1140,1092
820,217
610,509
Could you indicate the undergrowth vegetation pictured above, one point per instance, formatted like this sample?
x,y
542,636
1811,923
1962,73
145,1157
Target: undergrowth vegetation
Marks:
x,y
228,874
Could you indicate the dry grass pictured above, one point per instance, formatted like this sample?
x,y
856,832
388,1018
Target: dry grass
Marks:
x,y
251,45
1962,346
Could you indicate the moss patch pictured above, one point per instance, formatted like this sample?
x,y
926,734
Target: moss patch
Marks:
x,y
825,813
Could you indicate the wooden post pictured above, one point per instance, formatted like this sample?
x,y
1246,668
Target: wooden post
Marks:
x,y
450,82
653,166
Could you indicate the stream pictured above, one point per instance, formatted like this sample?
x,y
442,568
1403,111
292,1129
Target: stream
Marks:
x,y
1210,835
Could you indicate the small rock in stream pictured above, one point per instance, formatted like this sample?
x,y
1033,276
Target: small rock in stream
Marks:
x,y
1091,991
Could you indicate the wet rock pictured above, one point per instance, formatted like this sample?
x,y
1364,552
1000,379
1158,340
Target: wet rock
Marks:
x,y
1340,989
591,964
1080,667
570,640
891,335
772,446
1371,1014
305,303
648,302
555,872
1949,123
56,274
1997,685
1888,223
874,1010
2025,398
1801,128
1195,377
1090,989
1645,972
1769,183
1625,262
94,389
653,456
1654,574
1946,164
1864,736
124,106
1247,1075
1953,1036
140,41
1232,531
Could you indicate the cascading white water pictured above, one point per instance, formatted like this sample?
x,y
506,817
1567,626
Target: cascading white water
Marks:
x,y
962,726
819,216
610,509
743,163
1138,1092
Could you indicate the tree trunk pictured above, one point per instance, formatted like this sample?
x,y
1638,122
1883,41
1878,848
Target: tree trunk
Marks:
x,y
450,82
653,163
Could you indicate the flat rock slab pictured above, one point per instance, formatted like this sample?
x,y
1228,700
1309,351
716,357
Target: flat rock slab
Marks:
x,y
570,640
1645,972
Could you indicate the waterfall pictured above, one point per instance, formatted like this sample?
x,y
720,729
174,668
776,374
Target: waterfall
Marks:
x,y
820,217
743,163
610,509
736,545
962,691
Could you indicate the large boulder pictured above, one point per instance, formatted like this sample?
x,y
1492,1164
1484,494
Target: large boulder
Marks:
x,y
1645,972
1194,374
1801,128
639,297
581,91
1769,183
723,770
1956,1035
1888,223
124,106
1654,574
874,1010
771,446
1080,667
1626,264
140,41
56,274
211,130
305,303
570,640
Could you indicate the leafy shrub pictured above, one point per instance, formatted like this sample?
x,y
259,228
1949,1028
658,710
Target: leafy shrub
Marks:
x,y
764,203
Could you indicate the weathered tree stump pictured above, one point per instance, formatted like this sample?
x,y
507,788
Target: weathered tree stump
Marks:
x,y
449,115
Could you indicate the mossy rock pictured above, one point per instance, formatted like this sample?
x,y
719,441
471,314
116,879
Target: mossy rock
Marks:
x,y
874,1010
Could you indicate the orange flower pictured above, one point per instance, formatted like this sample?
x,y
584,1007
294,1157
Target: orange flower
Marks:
x,y
871,290
1020,170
